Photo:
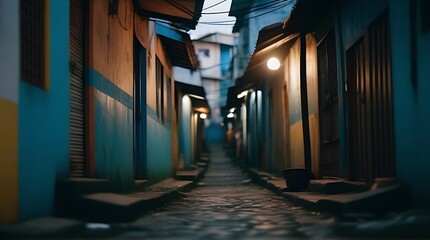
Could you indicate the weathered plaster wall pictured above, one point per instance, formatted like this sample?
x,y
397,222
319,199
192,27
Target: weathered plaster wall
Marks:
x,y
44,124
9,86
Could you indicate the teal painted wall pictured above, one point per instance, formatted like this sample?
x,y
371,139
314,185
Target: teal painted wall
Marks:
x,y
44,125
159,140
411,104
356,16
113,133
113,141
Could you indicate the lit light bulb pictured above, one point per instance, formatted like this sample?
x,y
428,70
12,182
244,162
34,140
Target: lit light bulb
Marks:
x,y
273,64
203,115
230,115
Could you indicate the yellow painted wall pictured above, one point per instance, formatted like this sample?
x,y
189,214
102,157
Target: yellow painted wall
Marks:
x,y
106,38
279,123
156,49
297,157
9,161
151,97
312,88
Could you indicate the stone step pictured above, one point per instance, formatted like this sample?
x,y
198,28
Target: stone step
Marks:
x,y
189,175
336,186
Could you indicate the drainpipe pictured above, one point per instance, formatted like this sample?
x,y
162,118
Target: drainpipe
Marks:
x,y
304,103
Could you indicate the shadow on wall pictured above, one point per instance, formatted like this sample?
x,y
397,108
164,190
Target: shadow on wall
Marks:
x,y
214,133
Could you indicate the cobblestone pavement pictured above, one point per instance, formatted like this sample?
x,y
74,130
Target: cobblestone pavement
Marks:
x,y
226,205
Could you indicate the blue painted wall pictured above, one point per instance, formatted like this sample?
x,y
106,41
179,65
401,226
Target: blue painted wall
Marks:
x,y
113,141
44,124
113,133
411,105
159,140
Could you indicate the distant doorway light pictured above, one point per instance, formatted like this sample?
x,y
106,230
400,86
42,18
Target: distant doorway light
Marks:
x,y
273,64
242,94
203,115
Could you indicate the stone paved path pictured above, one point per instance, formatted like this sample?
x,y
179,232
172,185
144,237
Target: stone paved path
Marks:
x,y
226,205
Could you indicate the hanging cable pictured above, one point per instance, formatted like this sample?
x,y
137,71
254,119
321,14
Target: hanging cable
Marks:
x,y
216,4
259,15
250,9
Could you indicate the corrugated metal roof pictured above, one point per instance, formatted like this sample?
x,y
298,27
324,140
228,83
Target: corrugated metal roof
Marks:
x,y
197,96
179,46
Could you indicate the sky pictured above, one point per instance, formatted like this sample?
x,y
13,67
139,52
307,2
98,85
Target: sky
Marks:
x,y
203,29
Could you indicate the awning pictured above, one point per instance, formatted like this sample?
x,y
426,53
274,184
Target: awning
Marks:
x,y
197,95
272,41
178,45
185,13
305,13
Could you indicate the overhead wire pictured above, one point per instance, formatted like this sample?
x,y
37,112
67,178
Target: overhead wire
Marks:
x,y
216,4
252,8
228,22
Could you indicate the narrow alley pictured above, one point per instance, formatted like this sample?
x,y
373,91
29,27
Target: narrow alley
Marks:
x,y
195,119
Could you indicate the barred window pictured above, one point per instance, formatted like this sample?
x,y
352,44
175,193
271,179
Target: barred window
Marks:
x,y
32,29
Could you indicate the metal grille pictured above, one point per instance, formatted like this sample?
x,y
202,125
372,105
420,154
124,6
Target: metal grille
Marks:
x,y
370,104
328,106
77,94
33,41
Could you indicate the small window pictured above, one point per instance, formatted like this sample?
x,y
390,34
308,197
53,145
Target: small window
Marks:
x,y
34,19
159,86
204,52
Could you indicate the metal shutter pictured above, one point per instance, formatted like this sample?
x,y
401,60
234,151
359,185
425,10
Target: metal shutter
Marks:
x,y
77,94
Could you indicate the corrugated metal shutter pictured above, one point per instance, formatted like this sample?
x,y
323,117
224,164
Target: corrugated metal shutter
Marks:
x,y
370,104
77,94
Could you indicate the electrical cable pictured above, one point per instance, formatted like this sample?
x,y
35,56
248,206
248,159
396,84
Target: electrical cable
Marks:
x,y
251,9
181,7
231,21
216,4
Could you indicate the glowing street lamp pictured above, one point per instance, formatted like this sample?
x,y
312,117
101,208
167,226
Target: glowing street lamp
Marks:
x,y
273,64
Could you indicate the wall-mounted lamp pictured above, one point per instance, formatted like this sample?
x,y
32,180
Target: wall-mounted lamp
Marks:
x,y
273,64
203,115
196,96
230,115
242,94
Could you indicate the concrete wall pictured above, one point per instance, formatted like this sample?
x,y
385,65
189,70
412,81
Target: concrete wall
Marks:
x,y
209,65
185,131
44,124
9,85
187,76
110,84
292,77
159,137
411,103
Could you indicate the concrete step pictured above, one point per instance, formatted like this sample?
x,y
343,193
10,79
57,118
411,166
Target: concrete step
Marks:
x,y
189,175
114,207
336,186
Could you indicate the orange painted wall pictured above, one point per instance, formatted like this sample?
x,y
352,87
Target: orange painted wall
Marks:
x,y
106,38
